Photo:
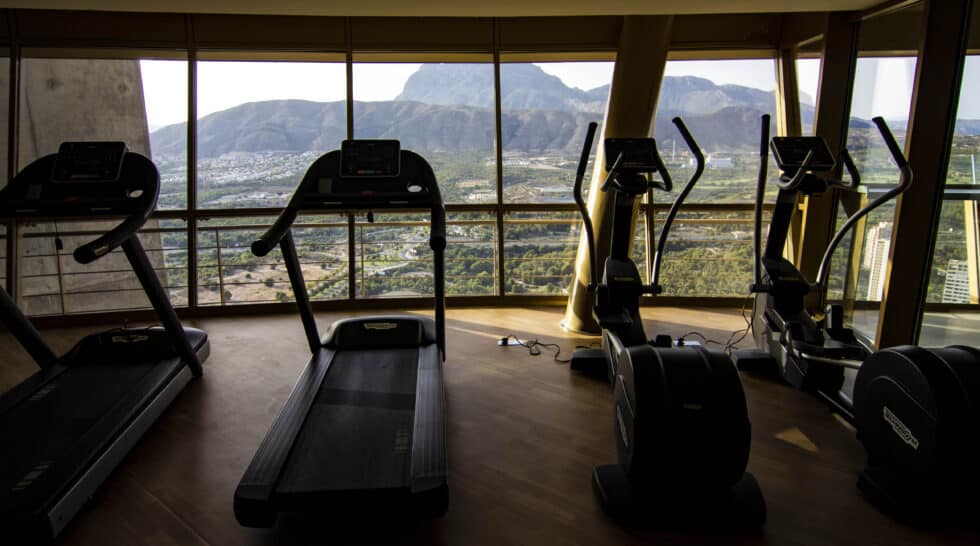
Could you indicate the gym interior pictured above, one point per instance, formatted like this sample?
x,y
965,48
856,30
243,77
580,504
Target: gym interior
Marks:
x,y
533,419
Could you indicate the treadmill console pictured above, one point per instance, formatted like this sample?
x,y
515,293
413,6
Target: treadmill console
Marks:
x,y
89,162
367,174
369,158
639,155
83,179
790,152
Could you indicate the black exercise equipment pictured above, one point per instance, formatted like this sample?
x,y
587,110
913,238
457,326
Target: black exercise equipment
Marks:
x,y
65,428
915,409
364,427
681,422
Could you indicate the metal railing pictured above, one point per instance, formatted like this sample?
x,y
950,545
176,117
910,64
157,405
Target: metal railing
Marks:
x,y
385,259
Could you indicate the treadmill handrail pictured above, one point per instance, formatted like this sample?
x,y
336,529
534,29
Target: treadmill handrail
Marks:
x,y
272,236
675,207
904,182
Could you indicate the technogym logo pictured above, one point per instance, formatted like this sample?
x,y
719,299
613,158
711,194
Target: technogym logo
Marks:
x,y
899,427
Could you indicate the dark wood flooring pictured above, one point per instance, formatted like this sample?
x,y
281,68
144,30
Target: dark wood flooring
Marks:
x,y
524,435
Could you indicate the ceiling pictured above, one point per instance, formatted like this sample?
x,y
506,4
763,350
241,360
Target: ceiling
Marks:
x,y
456,8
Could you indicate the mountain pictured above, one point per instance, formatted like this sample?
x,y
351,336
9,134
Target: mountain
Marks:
x,y
522,87
449,107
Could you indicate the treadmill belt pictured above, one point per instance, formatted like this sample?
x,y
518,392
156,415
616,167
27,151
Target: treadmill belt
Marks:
x,y
54,424
358,433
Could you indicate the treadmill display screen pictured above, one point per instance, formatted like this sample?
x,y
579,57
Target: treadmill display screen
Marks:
x,y
791,151
369,158
89,162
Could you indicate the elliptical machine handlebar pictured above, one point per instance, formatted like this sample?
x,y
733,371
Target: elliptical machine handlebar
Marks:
x,y
797,179
905,181
583,209
905,172
692,144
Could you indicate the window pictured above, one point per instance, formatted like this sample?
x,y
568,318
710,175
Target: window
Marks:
x,y
882,87
545,111
260,125
954,275
99,99
443,111
721,102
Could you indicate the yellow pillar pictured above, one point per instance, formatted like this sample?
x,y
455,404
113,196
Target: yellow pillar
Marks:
x,y
640,62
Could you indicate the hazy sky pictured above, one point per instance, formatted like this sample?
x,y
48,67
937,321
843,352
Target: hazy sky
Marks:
x,y
882,87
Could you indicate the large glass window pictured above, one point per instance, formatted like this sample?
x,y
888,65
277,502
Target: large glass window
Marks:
x,y
955,275
882,87
108,99
101,99
721,102
545,111
260,125
443,111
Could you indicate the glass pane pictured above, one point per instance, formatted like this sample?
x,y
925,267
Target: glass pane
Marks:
x,y
137,101
808,81
254,142
393,257
539,251
443,111
546,109
54,283
471,254
228,272
721,102
708,254
882,87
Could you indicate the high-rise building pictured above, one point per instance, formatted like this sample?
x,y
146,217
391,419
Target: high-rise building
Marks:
x,y
957,286
876,258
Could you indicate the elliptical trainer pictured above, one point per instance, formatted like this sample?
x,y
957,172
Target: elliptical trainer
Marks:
x,y
915,410
680,418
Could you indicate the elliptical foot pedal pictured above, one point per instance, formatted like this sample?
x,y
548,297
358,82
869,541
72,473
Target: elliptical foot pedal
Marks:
x,y
756,362
591,362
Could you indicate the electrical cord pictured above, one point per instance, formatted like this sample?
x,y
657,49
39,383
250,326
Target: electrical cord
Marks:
x,y
734,338
534,347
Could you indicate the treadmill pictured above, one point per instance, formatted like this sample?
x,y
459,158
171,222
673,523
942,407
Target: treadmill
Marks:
x,y
65,428
364,427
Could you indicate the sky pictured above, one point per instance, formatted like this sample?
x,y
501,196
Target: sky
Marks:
x,y
882,86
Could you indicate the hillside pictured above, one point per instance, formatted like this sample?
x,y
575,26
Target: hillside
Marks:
x,y
449,108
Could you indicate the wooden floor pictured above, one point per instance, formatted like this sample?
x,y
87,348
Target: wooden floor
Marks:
x,y
524,434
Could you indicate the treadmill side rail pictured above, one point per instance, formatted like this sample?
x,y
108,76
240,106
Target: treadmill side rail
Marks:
x,y
73,501
429,462
253,497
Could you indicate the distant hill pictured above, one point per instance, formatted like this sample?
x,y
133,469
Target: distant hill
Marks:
x,y
449,107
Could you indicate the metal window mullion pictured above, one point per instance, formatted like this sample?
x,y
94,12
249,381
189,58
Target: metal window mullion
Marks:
x,y
498,131
351,259
191,169
13,109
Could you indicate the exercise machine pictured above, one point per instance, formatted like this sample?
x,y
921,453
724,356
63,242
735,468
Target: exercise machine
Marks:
x,y
66,427
364,427
915,410
680,418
